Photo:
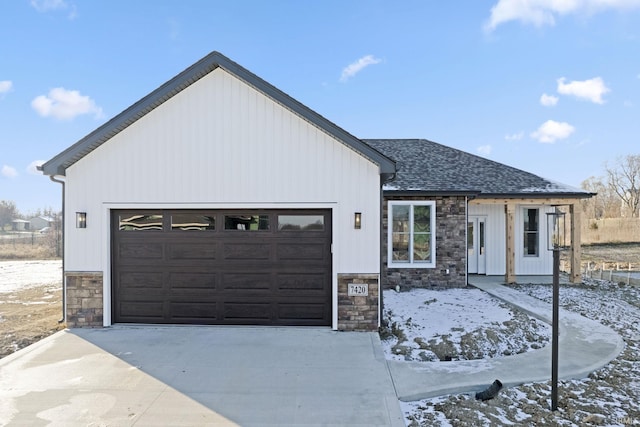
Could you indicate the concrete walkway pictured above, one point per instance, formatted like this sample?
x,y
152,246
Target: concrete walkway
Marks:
x,y
584,346
199,376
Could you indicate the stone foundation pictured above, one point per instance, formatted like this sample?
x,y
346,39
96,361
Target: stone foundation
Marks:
x,y
85,300
358,313
451,248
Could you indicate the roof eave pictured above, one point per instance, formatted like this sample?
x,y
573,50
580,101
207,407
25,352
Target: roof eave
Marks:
x,y
539,195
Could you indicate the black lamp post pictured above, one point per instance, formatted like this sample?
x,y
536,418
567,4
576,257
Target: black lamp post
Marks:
x,y
556,227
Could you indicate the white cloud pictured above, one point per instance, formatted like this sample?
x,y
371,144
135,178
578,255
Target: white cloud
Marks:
x,y
8,172
485,150
591,89
47,5
548,100
5,86
355,67
65,104
514,136
551,131
43,6
33,167
545,12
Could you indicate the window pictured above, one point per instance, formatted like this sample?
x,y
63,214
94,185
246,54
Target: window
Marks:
x,y
531,232
192,222
246,222
411,234
300,222
145,222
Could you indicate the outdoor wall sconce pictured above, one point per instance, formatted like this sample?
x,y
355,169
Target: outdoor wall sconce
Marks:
x,y
357,221
81,220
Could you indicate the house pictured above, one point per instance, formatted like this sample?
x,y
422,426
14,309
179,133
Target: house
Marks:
x,y
40,222
19,225
219,199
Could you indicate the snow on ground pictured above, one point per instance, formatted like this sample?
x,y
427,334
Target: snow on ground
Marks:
x,y
456,324
15,275
608,396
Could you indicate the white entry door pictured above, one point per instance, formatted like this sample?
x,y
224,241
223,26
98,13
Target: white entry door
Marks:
x,y
476,253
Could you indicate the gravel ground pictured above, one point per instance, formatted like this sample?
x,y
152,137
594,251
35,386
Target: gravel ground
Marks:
x,y
30,302
607,397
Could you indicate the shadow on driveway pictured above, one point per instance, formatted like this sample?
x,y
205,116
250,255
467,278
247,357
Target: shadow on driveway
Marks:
x,y
246,376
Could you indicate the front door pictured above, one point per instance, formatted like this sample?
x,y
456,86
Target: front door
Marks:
x,y
476,253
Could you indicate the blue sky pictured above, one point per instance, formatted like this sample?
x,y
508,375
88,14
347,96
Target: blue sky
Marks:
x,y
548,86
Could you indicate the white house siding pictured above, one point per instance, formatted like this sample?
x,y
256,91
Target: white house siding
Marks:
x,y
532,265
220,143
496,240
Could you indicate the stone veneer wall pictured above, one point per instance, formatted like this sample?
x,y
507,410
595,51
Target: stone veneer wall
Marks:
x,y
358,313
451,248
85,302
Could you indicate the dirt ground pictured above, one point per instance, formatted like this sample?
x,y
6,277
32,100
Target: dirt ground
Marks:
x,y
27,316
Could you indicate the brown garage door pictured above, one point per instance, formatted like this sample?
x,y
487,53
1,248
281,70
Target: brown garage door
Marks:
x,y
259,267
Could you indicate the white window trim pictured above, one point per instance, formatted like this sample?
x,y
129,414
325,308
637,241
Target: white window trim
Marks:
x,y
390,263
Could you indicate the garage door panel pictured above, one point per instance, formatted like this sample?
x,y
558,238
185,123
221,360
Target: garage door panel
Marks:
x,y
301,251
140,279
247,251
142,310
238,282
140,250
247,311
304,283
183,281
211,273
301,312
203,312
195,251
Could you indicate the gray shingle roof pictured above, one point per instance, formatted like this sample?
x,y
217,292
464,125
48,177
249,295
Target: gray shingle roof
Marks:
x,y
428,167
59,164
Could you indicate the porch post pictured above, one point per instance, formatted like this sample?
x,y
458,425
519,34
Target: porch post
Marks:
x,y
510,214
576,249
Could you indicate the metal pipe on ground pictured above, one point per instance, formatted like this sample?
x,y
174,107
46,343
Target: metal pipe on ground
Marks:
x,y
490,392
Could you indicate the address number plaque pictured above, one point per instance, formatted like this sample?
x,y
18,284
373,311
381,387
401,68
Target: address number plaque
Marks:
x,y
357,289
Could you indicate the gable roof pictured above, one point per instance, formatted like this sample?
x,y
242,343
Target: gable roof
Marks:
x,y
59,164
428,167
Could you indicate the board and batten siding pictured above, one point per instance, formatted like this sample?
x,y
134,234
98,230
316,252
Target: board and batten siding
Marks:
x,y
221,143
496,240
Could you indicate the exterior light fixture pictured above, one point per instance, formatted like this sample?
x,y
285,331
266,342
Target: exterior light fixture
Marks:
x,y
556,229
357,221
556,242
81,220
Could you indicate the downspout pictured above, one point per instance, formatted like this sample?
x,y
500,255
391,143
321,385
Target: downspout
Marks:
x,y
384,179
64,285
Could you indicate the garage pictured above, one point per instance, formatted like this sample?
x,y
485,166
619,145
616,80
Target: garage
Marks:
x,y
225,267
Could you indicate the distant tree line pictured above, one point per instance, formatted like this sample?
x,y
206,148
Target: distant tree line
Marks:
x,y
618,193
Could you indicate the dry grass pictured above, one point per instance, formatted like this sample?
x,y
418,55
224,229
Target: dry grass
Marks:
x,y
610,230
25,252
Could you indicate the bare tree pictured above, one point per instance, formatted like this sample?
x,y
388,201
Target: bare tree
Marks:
x,y
8,212
624,179
605,203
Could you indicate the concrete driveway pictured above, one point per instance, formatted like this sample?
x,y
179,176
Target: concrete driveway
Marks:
x,y
196,376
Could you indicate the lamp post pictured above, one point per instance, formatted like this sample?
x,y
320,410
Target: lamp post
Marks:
x,y
556,242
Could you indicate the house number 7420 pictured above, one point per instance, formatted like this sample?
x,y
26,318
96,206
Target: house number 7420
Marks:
x,y
358,289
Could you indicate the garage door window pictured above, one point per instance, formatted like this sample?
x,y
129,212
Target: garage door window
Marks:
x,y
300,222
246,222
140,222
192,222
